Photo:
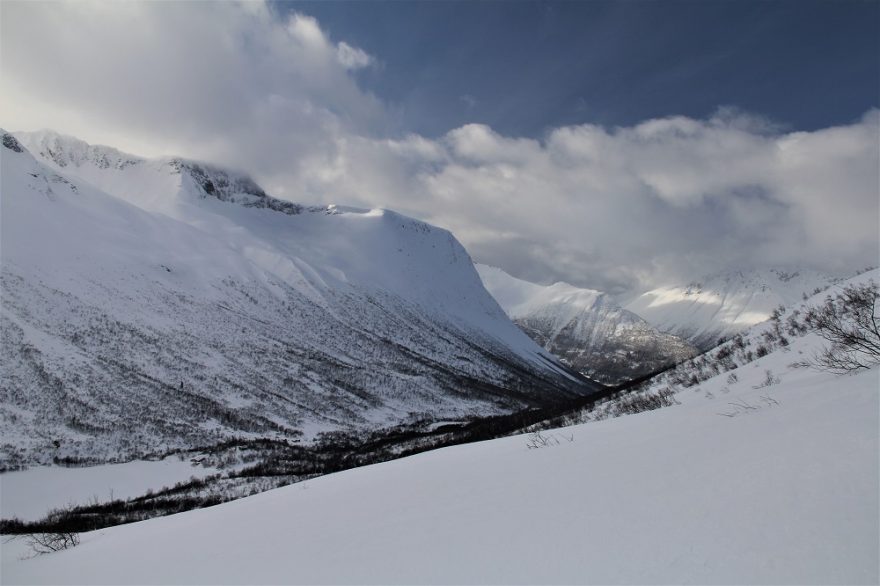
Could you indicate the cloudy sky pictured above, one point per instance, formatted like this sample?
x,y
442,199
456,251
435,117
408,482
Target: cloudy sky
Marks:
x,y
611,145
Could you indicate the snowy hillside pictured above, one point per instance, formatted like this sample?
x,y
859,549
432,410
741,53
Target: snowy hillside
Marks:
x,y
151,304
789,334
724,304
160,185
585,328
740,482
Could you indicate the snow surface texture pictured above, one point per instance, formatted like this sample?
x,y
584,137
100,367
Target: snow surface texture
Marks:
x,y
585,328
155,304
30,494
724,304
784,491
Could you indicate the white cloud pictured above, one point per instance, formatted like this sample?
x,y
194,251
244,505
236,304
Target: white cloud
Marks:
x,y
225,81
352,57
663,200
236,84
307,31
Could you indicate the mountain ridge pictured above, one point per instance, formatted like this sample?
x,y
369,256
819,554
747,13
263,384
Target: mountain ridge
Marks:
x,y
586,328
724,304
155,317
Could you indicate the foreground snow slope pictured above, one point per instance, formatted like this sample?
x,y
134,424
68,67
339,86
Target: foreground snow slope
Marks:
x,y
784,491
723,304
158,304
585,328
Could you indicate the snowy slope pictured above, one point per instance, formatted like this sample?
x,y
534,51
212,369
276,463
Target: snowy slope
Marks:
x,y
784,491
31,494
585,328
160,303
723,304
163,185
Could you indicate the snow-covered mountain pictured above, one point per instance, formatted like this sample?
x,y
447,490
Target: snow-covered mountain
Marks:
x,y
742,482
155,303
724,304
585,328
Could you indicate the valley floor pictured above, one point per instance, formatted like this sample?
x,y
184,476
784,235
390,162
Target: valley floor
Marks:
x,y
30,494
749,485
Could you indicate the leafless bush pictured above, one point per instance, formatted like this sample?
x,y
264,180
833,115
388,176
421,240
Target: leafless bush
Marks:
x,y
539,440
42,543
850,323
769,379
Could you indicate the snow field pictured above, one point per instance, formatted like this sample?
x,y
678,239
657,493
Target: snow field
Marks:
x,y
783,493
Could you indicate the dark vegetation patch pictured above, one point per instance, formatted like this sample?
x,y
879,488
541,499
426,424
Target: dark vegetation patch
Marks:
x,y
262,464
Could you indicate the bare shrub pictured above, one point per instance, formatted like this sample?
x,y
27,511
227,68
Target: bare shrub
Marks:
x,y
42,543
769,379
539,440
850,323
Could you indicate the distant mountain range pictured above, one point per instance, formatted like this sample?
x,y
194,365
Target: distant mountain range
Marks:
x,y
149,304
586,328
613,339
724,304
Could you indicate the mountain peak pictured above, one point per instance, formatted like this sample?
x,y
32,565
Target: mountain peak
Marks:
x,y
68,151
584,327
141,287
148,183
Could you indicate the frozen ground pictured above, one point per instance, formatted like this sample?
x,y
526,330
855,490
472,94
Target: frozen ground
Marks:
x,y
783,491
30,494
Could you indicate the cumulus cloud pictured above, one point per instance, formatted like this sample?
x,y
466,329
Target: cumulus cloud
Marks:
x,y
611,208
623,208
231,82
352,57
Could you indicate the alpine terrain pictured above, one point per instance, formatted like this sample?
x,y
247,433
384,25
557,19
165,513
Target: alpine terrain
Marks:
x,y
765,472
721,305
154,304
585,328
